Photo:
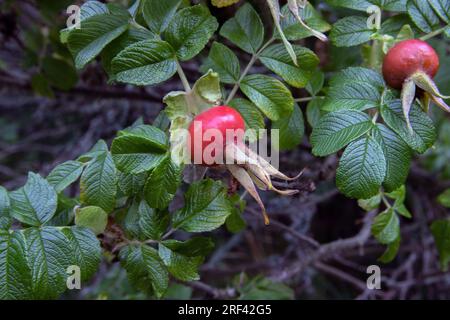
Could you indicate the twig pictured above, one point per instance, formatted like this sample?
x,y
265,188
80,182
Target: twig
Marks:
x,y
331,248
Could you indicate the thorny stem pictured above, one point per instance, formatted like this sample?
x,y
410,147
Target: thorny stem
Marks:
x,y
183,78
247,69
433,34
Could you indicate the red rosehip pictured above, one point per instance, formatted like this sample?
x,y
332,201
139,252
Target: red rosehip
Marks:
x,y
223,120
406,58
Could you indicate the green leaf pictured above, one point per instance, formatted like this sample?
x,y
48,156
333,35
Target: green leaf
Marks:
x,y
5,208
441,233
253,118
350,31
96,33
162,184
269,95
41,86
196,246
65,174
35,203
15,275
399,196
423,15
98,183
158,14
337,129
97,150
314,112
85,249
444,198
386,227
293,30
131,184
206,207
235,223
362,169
391,251
144,63
371,203
223,61
316,82
442,9
362,5
139,149
145,269
423,133
352,96
88,9
245,29
277,59
260,288
190,30
64,211
92,217
143,222
354,88
35,261
398,157
130,36
50,252
358,74
291,128
62,80
182,267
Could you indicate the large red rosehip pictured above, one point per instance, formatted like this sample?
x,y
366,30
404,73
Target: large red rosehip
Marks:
x,y
406,58
220,119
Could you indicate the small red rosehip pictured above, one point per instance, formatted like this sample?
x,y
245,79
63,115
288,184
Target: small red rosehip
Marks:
x,y
410,66
406,58
250,169
225,120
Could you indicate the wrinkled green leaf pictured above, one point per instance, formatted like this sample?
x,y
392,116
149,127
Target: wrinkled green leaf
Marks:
x,y
291,128
158,14
386,227
162,184
245,29
277,59
362,169
223,61
190,30
269,95
147,62
423,133
35,203
65,174
337,129
139,149
98,183
206,207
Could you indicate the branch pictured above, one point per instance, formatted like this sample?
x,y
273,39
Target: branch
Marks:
x,y
329,249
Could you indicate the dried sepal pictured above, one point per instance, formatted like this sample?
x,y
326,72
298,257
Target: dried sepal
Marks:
x,y
408,96
425,82
440,103
246,181
294,7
